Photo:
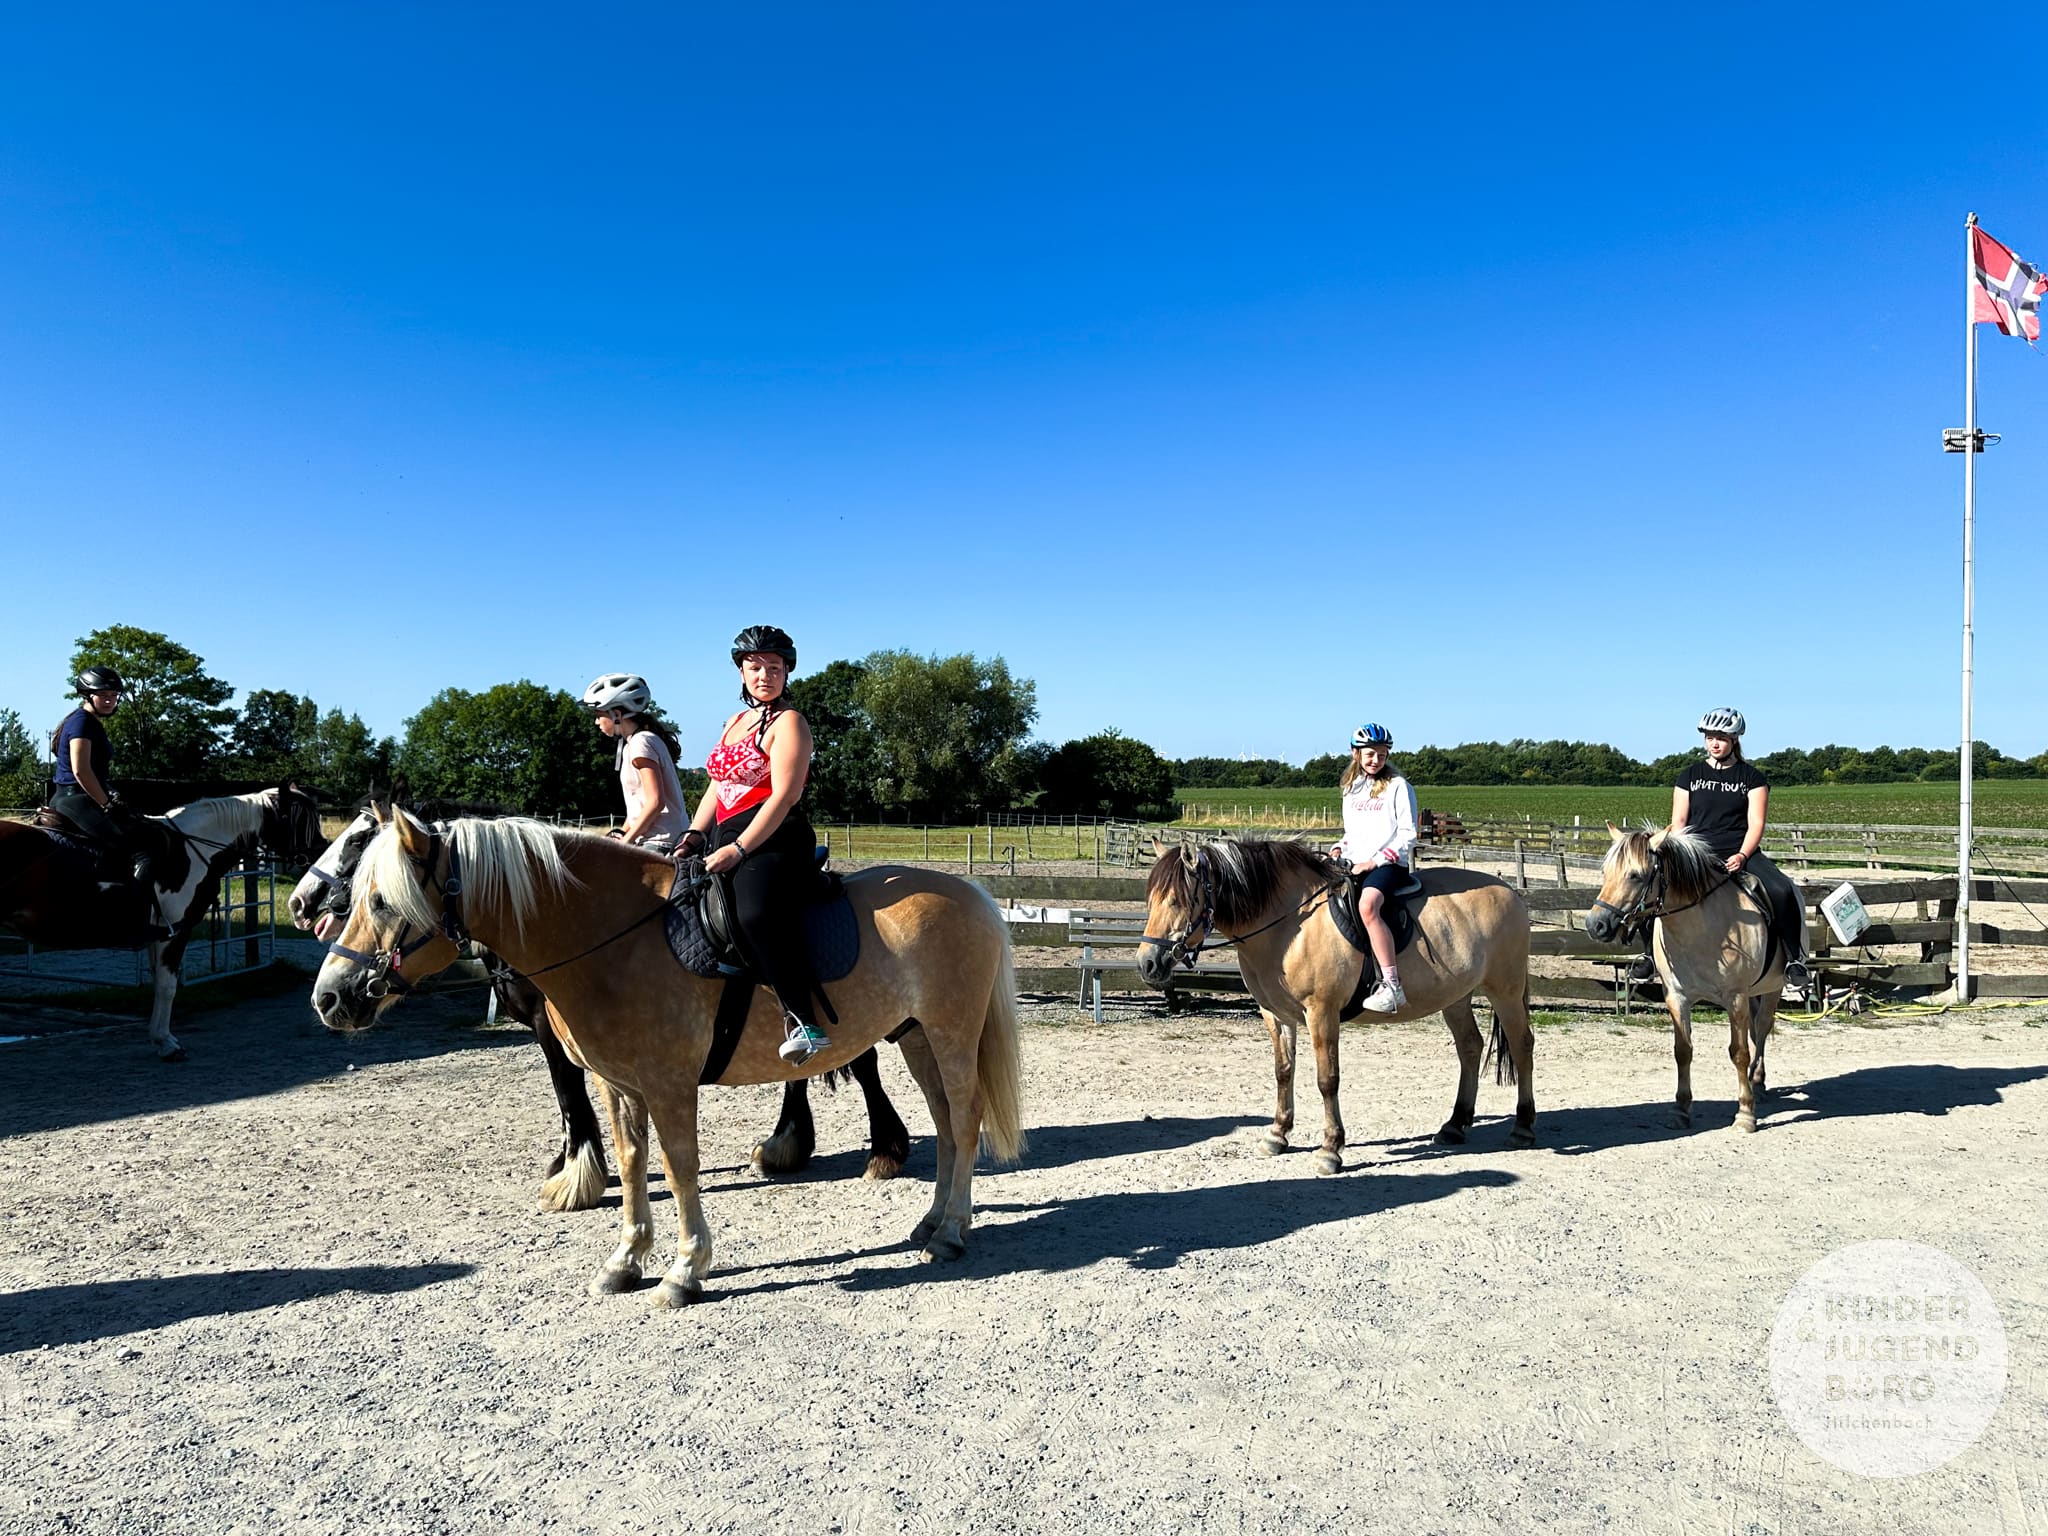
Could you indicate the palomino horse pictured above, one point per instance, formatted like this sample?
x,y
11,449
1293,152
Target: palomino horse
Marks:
x,y
1271,899
575,1177
934,975
1712,942
51,894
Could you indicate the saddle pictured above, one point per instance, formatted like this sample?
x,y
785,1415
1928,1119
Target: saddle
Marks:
x,y
1398,908
1778,939
75,843
703,937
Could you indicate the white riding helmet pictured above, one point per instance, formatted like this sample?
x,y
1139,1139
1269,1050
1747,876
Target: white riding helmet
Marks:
x,y
1722,722
622,691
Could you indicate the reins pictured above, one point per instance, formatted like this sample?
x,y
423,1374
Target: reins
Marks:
x,y
1305,907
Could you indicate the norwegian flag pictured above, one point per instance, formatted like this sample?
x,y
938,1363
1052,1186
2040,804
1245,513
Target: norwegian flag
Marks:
x,y
2008,292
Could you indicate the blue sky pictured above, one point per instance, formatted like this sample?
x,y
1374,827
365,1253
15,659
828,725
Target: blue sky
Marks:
x,y
1236,373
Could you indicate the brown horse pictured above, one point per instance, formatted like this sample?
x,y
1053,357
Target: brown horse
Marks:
x,y
934,976
1271,899
1712,941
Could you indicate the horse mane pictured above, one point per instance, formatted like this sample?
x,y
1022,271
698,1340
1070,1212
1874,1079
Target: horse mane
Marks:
x,y
1690,867
236,816
504,864
1247,875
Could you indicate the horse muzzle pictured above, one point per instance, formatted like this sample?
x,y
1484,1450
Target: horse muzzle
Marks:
x,y
1603,924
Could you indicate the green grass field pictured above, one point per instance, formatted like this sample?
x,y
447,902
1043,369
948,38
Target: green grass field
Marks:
x,y
1999,803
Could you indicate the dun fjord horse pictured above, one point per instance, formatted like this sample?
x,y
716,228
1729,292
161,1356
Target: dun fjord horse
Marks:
x,y
575,1177
50,894
583,912
1712,942
1271,899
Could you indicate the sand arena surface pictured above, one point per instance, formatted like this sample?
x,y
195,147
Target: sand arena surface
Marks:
x,y
263,1291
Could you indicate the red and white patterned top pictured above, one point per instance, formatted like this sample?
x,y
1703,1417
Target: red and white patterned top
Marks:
x,y
739,775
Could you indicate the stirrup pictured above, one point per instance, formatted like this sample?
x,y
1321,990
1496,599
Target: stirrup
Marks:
x,y
1642,969
1387,997
1798,975
802,1043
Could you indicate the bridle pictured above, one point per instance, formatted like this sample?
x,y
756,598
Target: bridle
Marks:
x,y
386,966
1178,945
1649,904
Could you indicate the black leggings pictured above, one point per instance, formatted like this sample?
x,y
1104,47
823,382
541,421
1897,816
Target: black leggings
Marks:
x,y
770,891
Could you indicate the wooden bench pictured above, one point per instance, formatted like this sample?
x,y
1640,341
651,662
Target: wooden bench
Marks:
x,y
1120,931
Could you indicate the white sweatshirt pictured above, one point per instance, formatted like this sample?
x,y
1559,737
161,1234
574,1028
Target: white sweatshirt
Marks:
x,y
1379,823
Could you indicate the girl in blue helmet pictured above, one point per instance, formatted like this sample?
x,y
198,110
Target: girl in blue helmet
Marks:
x,y
1378,843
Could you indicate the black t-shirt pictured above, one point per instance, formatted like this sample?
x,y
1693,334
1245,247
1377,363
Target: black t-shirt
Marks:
x,y
1719,805
83,724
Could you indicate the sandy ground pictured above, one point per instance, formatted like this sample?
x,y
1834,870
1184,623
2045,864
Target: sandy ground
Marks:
x,y
300,1282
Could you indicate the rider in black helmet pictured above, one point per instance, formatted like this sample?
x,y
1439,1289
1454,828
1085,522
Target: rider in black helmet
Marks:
x,y
83,792
752,819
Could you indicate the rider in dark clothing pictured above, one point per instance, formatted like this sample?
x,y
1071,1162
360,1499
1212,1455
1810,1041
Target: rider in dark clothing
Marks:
x,y
83,793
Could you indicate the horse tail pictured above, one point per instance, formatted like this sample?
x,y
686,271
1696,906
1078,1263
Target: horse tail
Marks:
x,y
999,1065
1503,1058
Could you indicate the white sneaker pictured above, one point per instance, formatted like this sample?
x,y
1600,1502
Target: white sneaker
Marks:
x,y
1387,997
802,1044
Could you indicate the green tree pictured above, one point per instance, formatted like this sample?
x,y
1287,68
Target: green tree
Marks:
x,y
22,761
171,717
845,767
275,737
518,744
1107,774
345,761
948,732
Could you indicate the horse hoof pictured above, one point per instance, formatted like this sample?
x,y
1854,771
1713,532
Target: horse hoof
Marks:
x,y
674,1295
1329,1162
1450,1134
1271,1144
774,1161
1746,1124
175,1053
615,1280
881,1167
923,1230
943,1250
1522,1136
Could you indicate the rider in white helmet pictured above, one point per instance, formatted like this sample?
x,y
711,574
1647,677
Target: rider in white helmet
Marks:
x,y
1379,844
1724,798
656,816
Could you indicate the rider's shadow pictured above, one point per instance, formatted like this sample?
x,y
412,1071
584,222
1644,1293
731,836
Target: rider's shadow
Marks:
x,y
1909,1088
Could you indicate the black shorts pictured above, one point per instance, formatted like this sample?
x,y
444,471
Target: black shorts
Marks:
x,y
1384,878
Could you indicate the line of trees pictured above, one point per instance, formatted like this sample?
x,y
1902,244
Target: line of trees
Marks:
x,y
1588,762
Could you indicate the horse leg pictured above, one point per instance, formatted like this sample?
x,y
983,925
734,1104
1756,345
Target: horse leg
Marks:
x,y
1275,1139
789,1149
1763,1018
1739,1016
1471,1046
888,1137
924,1067
628,1113
675,1121
576,1178
1511,1026
1680,1009
165,962
959,1074
1322,1032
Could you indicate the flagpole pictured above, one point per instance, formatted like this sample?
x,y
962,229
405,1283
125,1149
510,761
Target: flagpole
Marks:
x,y
1969,752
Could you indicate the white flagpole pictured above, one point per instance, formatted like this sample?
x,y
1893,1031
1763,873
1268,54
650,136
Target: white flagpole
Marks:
x,y
1969,754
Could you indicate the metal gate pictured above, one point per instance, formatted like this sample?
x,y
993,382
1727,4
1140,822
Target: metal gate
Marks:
x,y
238,933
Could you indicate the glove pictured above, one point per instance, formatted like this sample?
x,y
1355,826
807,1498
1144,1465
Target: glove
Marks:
x,y
691,842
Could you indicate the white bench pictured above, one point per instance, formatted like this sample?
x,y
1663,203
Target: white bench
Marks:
x,y
1121,931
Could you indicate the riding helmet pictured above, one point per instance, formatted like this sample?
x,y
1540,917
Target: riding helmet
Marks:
x,y
100,680
1372,735
1722,722
764,639
624,691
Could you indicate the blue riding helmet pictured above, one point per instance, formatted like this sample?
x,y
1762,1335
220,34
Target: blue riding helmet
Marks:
x,y
1371,735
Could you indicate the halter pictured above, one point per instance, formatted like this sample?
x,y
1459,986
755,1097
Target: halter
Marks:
x,y
1649,906
385,965
1176,944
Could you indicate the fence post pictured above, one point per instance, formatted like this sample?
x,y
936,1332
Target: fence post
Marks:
x,y
1562,882
252,950
927,843
1521,863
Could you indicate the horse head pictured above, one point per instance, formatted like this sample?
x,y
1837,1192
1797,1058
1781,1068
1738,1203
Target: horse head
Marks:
x,y
400,922
1632,883
320,901
1180,910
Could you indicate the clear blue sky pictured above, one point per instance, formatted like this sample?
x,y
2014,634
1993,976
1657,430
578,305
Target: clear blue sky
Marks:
x,y
1236,373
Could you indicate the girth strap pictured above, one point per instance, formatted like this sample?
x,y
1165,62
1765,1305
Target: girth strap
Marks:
x,y
735,1002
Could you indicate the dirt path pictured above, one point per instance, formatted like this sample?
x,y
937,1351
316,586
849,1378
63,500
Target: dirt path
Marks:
x,y
301,1283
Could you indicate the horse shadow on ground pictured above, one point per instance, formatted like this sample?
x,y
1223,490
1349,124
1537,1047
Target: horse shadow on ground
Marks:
x,y
1916,1088
73,1078
105,1309
1147,1229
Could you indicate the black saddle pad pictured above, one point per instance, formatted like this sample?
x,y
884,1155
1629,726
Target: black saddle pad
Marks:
x,y
697,931
1398,908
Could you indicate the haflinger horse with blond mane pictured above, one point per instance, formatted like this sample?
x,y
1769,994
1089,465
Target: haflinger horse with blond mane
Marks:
x,y
1273,900
934,975
1712,942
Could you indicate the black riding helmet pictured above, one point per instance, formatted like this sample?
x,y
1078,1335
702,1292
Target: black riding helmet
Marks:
x,y
767,640
100,680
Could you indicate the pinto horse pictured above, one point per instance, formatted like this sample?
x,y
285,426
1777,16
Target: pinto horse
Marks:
x,y
934,976
1712,942
1271,898
51,893
575,1177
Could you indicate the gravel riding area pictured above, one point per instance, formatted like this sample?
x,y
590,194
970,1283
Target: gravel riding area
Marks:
x,y
301,1282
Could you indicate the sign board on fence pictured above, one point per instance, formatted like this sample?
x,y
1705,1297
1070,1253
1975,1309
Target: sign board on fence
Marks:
x,y
1843,909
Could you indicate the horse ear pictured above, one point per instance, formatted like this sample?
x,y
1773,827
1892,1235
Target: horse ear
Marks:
x,y
412,837
1190,856
1657,839
382,810
1614,833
